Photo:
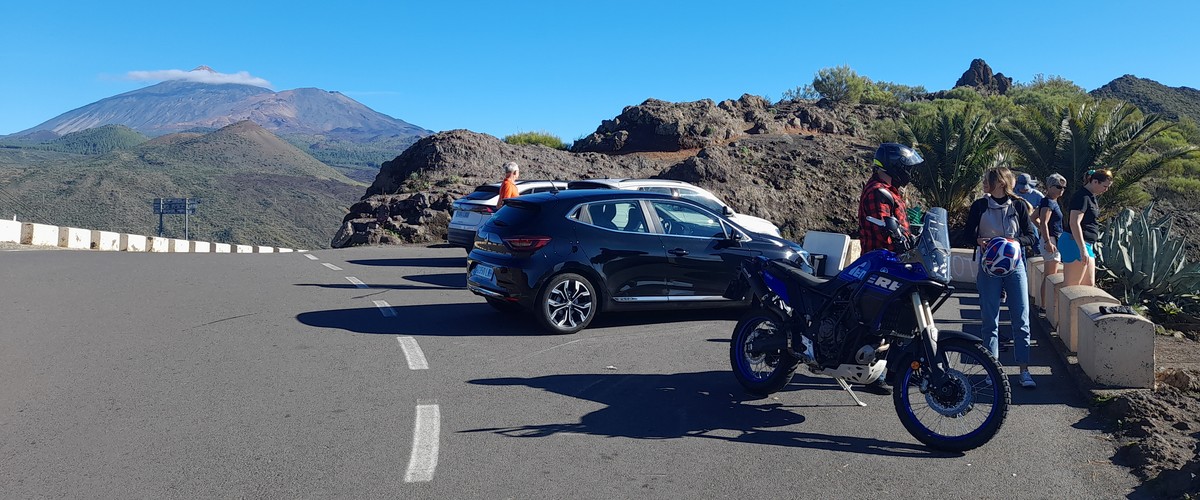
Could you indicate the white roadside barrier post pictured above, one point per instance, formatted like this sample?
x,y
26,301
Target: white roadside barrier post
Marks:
x,y
133,243
158,245
1033,276
1070,299
106,241
1115,349
10,231
39,234
75,238
963,268
1050,287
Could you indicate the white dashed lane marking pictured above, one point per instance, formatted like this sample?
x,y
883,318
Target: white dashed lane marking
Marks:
x,y
310,256
426,431
385,308
357,282
331,266
412,352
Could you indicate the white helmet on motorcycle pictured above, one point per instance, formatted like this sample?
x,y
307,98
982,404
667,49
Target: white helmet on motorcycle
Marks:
x,y
1001,257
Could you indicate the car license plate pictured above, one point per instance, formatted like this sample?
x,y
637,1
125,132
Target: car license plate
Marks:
x,y
482,272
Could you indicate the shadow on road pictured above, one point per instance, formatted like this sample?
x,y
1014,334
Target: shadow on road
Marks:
x,y
456,262
706,405
477,318
444,281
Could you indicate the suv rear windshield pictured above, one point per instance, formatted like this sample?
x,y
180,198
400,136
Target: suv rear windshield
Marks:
x,y
515,213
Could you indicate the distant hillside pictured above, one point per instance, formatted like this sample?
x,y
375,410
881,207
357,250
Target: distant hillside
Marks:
x,y
98,140
330,126
176,106
1154,97
256,188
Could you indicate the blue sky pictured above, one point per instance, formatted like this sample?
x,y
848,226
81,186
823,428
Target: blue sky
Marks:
x,y
562,67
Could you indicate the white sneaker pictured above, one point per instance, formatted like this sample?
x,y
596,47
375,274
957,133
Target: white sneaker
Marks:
x,y
1027,380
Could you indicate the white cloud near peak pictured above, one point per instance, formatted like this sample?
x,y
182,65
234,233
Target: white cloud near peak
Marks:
x,y
200,75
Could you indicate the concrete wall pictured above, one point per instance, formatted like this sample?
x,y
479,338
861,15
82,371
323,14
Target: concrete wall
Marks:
x,y
201,247
222,248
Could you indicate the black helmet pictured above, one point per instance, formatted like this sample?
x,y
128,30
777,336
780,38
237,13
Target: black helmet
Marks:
x,y
897,160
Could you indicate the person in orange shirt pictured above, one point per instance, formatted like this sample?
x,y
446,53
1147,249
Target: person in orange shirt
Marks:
x,y
508,188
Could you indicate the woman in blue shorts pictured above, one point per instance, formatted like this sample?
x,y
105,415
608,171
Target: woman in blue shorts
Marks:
x,y
1077,245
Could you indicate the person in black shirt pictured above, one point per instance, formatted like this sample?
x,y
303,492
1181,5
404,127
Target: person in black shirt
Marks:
x,y
1049,221
1077,244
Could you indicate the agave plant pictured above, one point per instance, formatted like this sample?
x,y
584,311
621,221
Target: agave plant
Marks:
x,y
1145,258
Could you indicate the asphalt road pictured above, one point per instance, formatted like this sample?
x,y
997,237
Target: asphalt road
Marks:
x,y
277,376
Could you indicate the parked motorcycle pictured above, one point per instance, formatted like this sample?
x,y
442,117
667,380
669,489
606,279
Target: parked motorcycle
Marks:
x,y
874,319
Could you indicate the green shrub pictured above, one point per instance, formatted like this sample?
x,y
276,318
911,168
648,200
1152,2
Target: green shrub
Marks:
x,y
840,84
540,138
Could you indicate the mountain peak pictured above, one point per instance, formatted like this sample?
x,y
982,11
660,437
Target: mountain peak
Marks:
x,y
204,68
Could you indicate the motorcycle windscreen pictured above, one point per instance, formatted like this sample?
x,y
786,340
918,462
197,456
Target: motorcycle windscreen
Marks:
x,y
933,246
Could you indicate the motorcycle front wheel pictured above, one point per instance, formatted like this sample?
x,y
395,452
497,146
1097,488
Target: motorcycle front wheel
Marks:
x,y
761,371
963,412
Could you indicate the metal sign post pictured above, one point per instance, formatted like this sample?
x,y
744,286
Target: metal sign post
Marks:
x,y
175,206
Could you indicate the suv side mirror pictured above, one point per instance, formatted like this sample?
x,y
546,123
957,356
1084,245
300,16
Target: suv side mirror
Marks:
x,y
727,211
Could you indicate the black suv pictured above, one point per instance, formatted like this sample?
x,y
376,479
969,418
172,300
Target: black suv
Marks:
x,y
568,255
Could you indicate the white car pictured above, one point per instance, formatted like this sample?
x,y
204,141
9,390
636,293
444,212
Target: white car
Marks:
x,y
680,189
472,210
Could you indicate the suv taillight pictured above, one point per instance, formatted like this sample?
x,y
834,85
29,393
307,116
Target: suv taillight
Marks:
x,y
483,209
526,243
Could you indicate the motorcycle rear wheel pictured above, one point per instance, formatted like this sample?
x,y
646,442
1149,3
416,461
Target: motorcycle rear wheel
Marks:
x,y
965,412
760,373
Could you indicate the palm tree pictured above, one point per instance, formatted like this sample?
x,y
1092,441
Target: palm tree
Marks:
x,y
1035,135
1107,134
957,144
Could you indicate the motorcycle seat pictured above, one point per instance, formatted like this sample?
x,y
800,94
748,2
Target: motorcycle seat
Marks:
x,y
793,274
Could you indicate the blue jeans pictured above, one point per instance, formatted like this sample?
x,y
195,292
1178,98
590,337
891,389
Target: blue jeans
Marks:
x,y
1016,284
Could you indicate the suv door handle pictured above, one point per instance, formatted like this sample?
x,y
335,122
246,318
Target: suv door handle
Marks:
x,y
679,252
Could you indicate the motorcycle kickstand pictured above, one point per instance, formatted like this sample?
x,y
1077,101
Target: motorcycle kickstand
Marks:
x,y
842,382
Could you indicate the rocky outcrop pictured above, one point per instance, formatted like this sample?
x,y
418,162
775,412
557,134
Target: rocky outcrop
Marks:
x,y
980,77
796,163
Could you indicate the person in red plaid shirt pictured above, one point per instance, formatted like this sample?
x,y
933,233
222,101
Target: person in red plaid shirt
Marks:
x,y
882,215
882,200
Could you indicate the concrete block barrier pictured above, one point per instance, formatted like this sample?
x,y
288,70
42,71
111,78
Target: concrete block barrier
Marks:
x,y
106,240
158,245
1033,272
1115,349
29,233
1070,299
1050,287
39,234
10,231
963,267
133,243
73,237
